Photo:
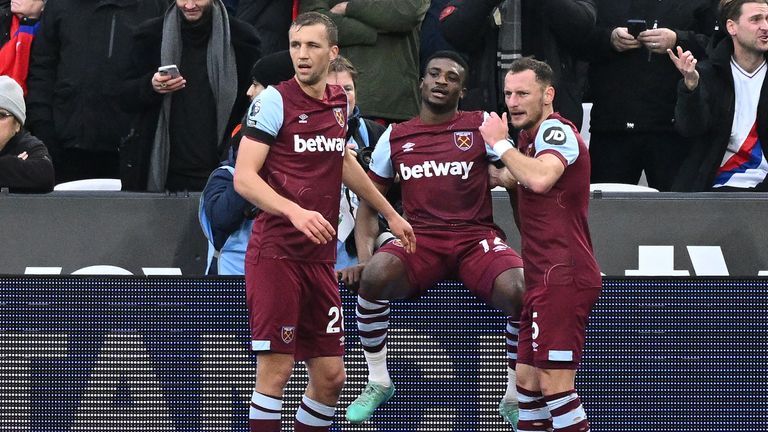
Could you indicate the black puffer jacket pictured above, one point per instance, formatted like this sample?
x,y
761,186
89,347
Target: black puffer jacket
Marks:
x,y
706,114
631,90
76,68
33,174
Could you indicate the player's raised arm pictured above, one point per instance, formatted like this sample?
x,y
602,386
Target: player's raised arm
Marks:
x,y
359,183
538,174
250,185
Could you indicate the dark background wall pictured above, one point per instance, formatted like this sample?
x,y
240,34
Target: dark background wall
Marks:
x,y
663,234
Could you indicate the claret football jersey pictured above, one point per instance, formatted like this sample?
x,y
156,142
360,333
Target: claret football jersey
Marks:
x,y
307,143
443,170
556,243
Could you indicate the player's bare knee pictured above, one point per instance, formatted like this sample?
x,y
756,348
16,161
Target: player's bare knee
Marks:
x,y
331,381
275,377
336,383
526,377
377,277
553,381
508,291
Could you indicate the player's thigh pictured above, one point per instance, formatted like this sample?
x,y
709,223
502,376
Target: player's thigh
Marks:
x,y
394,274
320,327
492,270
559,320
272,296
508,292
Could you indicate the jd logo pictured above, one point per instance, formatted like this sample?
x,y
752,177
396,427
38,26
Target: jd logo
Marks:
x,y
554,136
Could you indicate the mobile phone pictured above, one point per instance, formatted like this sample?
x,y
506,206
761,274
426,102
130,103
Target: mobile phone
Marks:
x,y
171,70
636,26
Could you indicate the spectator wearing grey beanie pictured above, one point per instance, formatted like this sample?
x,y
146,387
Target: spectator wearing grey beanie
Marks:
x,y
25,165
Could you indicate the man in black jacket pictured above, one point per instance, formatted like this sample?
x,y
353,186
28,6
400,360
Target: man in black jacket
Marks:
x,y
632,84
183,120
723,102
74,76
24,162
550,30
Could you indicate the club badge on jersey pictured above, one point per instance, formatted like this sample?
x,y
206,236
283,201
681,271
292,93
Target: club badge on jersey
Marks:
x,y
341,117
463,140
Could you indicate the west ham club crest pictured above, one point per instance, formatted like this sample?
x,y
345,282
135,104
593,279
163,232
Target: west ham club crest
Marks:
x,y
341,119
463,140
288,334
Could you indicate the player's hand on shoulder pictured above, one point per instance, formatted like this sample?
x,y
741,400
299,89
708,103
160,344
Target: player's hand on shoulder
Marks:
x,y
312,224
403,231
351,276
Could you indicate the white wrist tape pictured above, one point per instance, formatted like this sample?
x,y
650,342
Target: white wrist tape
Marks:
x,y
502,146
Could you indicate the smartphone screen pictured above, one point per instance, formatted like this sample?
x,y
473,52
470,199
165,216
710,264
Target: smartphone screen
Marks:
x,y
636,26
171,70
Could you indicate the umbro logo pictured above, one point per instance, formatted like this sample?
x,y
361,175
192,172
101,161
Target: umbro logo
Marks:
x,y
408,146
303,118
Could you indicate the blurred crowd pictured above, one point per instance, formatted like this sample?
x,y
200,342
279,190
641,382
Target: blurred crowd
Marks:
x,y
95,105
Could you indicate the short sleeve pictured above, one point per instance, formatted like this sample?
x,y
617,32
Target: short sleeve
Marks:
x,y
555,136
381,158
265,116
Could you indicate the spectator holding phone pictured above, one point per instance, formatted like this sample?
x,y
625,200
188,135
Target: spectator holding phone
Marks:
x,y
632,85
183,122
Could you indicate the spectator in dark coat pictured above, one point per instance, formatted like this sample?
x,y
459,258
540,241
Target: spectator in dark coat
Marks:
x,y
183,122
5,21
75,74
431,39
632,84
271,18
24,162
549,30
381,38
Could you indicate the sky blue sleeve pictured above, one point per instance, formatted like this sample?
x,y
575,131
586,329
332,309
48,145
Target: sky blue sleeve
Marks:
x,y
265,113
556,136
381,158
